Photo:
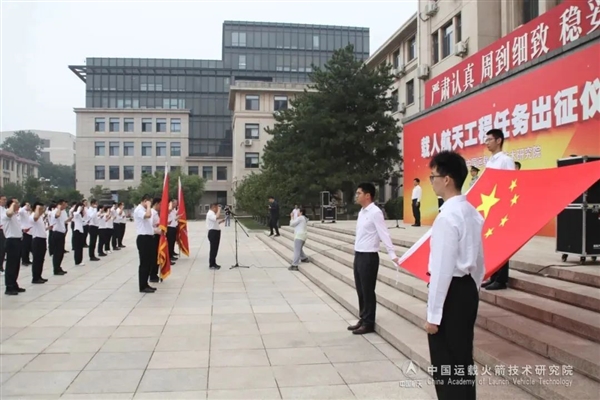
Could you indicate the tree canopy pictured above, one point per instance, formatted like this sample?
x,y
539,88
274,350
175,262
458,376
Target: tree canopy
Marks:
x,y
25,144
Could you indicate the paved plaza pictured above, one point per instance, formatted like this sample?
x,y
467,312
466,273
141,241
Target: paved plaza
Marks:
x,y
257,333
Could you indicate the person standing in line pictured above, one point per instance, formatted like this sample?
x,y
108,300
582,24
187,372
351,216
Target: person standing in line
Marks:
x,y
38,231
416,201
298,222
474,175
122,223
78,213
155,221
14,234
273,216
50,222
213,222
456,268
172,222
370,230
93,229
499,160
24,214
2,236
110,224
142,217
59,221
102,230
86,222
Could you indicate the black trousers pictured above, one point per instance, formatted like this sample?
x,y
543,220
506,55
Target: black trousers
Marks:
x,y
452,346
147,261
121,234
112,241
93,232
171,238
50,242
366,267
102,237
416,209
78,243
2,248
58,250
274,224
86,232
501,276
38,253
154,250
13,263
214,237
26,248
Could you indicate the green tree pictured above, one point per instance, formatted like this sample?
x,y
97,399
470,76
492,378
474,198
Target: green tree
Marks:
x,y
25,144
62,176
337,134
96,192
14,190
251,194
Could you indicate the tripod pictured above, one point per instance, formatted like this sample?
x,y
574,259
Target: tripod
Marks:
x,y
235,225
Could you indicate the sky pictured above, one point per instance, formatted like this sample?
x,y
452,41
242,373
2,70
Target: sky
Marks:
x,y
40,39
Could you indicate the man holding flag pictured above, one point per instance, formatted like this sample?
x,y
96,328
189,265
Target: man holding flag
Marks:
x,y
164,263
182,232
143,225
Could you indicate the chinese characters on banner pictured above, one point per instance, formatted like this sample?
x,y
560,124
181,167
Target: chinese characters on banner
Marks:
x,y
562,25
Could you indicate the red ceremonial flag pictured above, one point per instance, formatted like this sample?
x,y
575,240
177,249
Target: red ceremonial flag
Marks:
x,y
182,232
163,248
515,206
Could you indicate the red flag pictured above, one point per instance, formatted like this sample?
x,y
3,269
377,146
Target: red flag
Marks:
x,y
515,205
163,248
182,232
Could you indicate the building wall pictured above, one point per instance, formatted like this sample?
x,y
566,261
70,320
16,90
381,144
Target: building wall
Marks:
x,y
58,147
14,169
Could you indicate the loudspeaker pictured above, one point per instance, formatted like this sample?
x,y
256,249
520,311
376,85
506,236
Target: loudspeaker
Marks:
x,y
592,195
578,230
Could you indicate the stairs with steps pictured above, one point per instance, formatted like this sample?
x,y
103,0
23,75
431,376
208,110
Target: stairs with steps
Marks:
x,y
542,321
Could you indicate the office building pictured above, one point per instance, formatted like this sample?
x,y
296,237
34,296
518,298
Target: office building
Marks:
x,y
57,147
196,92
15,169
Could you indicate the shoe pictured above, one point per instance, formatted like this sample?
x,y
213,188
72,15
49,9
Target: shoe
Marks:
x,y
364,329
486,283
102,255
277,235
215,267
122,245
11,292
21,290
416,225
270,235
94,259
305,260
27,263
154,280
496,286
38,281
152,288
293,268
60,272
147,290
45,280
355,327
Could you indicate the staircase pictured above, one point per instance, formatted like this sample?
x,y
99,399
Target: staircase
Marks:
x,y
550,320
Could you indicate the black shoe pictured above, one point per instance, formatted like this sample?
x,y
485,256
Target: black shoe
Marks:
x,y
122,245
147,290
496,286
270,235
94,259
37,281
355,327
416,225
21,290
293,268
45,280
487,283
363,330
277,235
61,272
102,254
215,267
305,260
27,263
154,280
11,292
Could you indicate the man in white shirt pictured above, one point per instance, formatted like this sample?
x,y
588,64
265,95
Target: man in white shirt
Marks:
x,y
59,221
213,222
499,160
173,221
93,223
2,236
474,175
370,230
142,217
12,230
155,219
416,201
86,222
24,214
456,267
39,234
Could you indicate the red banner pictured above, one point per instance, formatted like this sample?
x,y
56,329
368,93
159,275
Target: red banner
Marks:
x,y
182,232
565,23
547,113
164,261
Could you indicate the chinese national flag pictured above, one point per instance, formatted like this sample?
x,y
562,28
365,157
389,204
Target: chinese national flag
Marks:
x,y
164,262
515,205
182,232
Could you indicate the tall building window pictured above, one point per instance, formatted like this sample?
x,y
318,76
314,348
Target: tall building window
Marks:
x,y
435,48
146,124
128,149
114,173
99,125
161,149
207,173
113,124
128,172
252,131
242,61
222,197
221,173
395,99
530,10
252,102
146,148
252,160
410,92
175,149
448,40
161,125
128,125
160,168
396,59
412,48
113,149
193,170
315,42
147,169
458,27
238,39
175,125
99,172
99,149
281,103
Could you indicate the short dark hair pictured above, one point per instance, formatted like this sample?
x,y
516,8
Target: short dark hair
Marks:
x,y
517,164
271,197
497,134
417,180
155,201
302,210
451,164
368,188
474,168
93,201
146,197
37,203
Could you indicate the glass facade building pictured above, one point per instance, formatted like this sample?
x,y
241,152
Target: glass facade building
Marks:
x,y
272,52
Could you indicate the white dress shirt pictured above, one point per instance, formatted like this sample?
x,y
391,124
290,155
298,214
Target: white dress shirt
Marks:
x,y
86,217
500,160
2,212
12,226
456,250
173,218
24,216
211,221
143,225
38,228
370,229
110,221
78,220
59,222
155,219
417,193
102,220
93,216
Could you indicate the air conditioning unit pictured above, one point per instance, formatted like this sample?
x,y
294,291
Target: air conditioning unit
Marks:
x,y
461,49
423,71
431,8
248,142
402,108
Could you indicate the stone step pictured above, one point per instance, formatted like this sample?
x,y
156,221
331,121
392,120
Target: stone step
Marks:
x,y
489,350
528,259
582,296
569,318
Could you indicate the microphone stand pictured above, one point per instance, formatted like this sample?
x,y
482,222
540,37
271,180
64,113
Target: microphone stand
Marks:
x,y
398,225
235,225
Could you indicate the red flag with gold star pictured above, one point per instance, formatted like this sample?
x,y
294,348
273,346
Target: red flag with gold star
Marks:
x,y
515,206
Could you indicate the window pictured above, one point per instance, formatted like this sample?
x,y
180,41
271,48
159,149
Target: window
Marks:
x,y
396,59
99,172
128,124
113,173
128,172
222,197
207,173
252,131
530,10
160,168
161,149
252,160
221,173
128,149
161,125
147,169
175,149
410,91
146,148
458,27
99,149
281,103
193,170
447,40
113,124
412,48
146,124
242,61
238,39
175,125
99,125
435,48
252,102
396,100
113,148
315,42
174,168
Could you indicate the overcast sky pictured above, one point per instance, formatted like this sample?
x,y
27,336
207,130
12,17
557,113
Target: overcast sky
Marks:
x,y
40,39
